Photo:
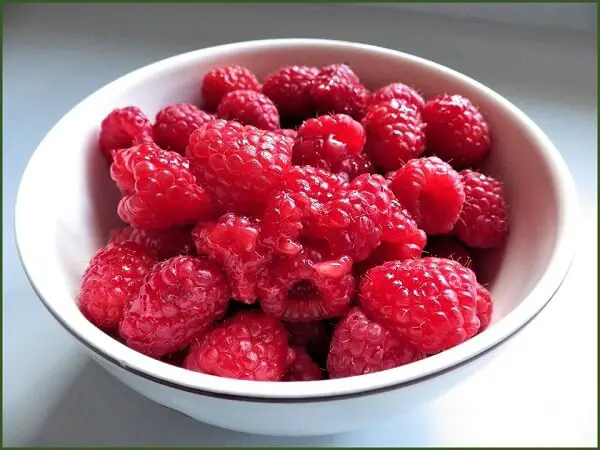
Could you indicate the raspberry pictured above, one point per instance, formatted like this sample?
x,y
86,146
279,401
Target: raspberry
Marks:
x,y
483,222
401,239
282,224
446,247
356,165
113,276
303,368
456,130
159,191
289,88
122,128
337,90
431,191
430,302
305,287
353,222
395,134
241,166
220,81
398,91
248,346
360,346
327,141
250,108
314,184
232,241
288,132
179,300
312,336
164,243
175,124
485,307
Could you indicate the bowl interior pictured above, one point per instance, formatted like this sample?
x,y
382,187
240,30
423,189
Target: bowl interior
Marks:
x,y
77,209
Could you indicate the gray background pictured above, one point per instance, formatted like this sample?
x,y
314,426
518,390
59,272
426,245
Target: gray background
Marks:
x,y
541,390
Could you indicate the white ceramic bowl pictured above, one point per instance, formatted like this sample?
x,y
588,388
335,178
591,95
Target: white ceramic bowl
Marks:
x,y
61,222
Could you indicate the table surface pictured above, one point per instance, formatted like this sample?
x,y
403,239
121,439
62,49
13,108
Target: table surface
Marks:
x,y
541,391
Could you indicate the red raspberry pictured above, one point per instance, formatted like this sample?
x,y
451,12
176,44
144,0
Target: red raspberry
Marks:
x,y
164,243
122,128
303,368
395,134
232,241
456,130
485,307
327,141
175,124
248,346
431,302
113,276
398,91
288,132
353,222
431,191
360,346
401,239
312,336
282,223
314,184
337,89
220,81
289,88
250,108
305,189
483,222
305,287
356,165
447,247
240,165
179,300
159,191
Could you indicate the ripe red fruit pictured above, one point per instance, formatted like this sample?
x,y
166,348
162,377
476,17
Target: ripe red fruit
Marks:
x,y
113,276
485,307
122,128
159,191
360,346
241,166
250,108
400,92
327,141
232,241
356,165
483,222
353,222
337,90
247,346
178,301
303,368
164,243
430,302
456,131
432,191
395,134
175,124
220,81
306,287
289,88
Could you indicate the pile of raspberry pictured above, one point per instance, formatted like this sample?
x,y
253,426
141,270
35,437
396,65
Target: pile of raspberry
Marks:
x,y
299,229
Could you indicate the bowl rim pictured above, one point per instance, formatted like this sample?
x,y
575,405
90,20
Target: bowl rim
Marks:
x,y
334,389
